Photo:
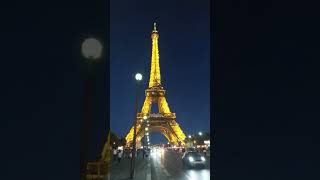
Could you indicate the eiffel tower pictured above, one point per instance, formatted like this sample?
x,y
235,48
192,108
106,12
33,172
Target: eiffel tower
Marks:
x,y
164,121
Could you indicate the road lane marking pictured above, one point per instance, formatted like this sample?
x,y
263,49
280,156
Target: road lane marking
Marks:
x,y
164,170
148,177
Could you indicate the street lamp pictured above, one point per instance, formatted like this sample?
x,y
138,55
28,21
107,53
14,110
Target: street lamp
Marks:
x,y
200,133
91,49
143,120
189,136
138,78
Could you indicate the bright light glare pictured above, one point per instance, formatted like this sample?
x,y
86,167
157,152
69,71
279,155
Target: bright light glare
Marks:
x,y
200,133
203,159
191,159
138,77
189,136
145,117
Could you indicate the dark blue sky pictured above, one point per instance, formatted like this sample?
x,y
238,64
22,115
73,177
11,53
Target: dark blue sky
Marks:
x,y
184,60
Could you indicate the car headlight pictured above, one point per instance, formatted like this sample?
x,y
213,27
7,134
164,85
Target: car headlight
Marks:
x,y
203,159
191,159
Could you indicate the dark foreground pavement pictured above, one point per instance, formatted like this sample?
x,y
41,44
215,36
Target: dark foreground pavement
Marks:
x,y
121,171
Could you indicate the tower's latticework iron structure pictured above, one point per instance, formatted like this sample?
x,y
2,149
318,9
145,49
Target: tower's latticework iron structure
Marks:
x,y
164,121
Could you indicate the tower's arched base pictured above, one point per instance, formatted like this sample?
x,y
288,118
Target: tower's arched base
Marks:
x,y
165,125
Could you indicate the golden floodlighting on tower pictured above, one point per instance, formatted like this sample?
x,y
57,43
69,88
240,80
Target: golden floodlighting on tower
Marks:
x,y
155,94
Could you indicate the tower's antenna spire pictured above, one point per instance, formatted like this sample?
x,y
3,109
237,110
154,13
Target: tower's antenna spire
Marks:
x,y
155,77
154,27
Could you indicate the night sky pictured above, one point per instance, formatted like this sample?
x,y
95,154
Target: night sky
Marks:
x,y
184,60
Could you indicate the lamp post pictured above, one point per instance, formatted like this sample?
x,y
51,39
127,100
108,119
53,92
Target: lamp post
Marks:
x,y
91,50
138,78
144,138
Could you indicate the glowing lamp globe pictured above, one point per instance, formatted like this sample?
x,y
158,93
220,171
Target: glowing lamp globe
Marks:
x,y
138,77
91,48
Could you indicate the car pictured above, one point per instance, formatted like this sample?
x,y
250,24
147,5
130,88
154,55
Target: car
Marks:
x,y
192,159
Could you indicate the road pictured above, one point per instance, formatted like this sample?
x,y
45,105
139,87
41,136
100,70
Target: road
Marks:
x,y
165,165
168,165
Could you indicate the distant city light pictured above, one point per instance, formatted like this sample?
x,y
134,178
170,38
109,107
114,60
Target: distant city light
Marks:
x,y
200,133
189,136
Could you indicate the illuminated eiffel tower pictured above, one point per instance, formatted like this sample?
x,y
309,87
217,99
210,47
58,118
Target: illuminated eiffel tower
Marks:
x,y
164,121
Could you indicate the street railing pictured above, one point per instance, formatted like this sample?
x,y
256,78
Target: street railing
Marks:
x,y
97,170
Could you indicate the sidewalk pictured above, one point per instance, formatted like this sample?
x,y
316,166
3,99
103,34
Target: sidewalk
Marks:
x,y
121,171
